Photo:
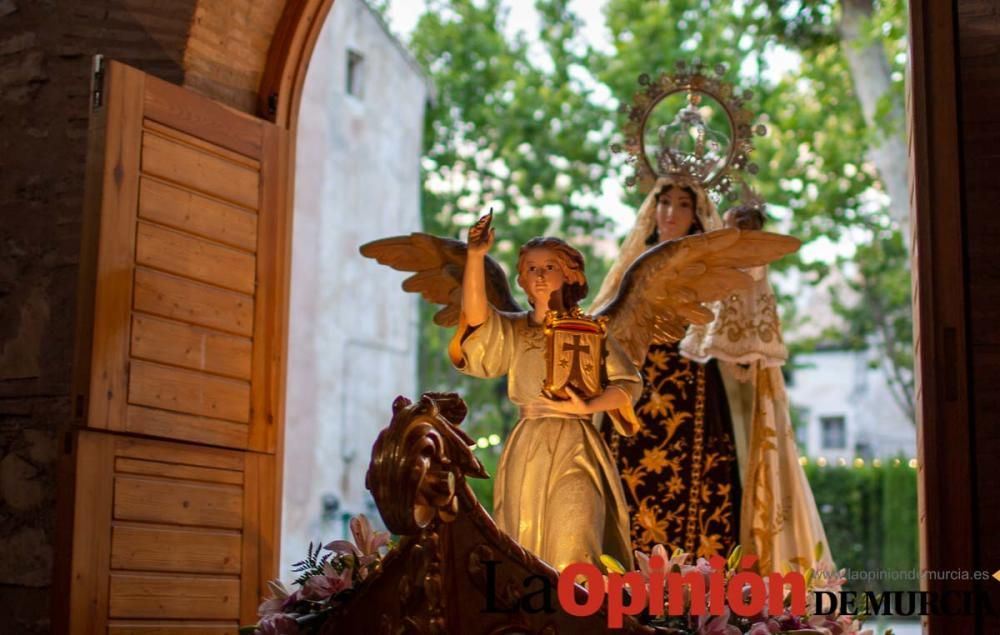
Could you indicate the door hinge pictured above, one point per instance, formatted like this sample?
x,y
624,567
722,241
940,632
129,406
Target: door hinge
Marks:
x,y
97,83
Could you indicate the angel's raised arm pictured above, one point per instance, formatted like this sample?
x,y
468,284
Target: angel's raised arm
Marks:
x,y
475,306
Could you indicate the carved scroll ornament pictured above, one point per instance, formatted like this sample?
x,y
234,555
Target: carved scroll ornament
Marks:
x,y
419,462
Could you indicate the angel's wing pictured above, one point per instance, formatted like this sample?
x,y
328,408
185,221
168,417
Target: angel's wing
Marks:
x,y
663,291
437,265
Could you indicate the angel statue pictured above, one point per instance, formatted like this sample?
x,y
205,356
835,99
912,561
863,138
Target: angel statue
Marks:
x,y
556,489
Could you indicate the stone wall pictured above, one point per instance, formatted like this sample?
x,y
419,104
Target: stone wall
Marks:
x,y
227,49
45,59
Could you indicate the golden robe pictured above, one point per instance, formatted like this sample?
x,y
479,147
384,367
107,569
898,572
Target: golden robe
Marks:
x,y
556,490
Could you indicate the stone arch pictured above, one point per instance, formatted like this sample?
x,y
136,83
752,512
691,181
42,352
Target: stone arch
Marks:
x,y
288,59
250,55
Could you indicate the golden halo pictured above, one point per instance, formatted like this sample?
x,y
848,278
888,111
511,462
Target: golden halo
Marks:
x,y
724,172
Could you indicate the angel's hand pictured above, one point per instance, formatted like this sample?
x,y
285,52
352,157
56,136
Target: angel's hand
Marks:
x,y
543,406
481,236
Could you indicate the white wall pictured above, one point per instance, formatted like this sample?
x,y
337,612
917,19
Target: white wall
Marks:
x,y
352,332
841,383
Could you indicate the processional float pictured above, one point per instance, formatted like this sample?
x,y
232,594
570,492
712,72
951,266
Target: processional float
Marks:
x,y
453,570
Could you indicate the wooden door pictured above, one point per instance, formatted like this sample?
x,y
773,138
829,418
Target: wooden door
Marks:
x,y
174,466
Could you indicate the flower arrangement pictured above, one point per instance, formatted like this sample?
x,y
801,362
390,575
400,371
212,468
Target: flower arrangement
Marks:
x,y
820,577
324,582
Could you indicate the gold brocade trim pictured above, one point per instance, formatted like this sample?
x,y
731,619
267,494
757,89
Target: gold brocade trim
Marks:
x,y
694,500
740,324
765,524
678,470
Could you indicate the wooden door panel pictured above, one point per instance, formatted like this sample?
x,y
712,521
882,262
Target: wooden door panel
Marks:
x,y
176,502
167,534
202,118
188,346
174,549
190,271
189,256
181,597
201,171
188,391
193,302
163,469
169,628
181,340
160,423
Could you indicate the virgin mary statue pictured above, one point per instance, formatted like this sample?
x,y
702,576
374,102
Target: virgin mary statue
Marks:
x,y
714,463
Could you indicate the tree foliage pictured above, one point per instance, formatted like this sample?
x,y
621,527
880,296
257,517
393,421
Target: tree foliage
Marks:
x,y
869,514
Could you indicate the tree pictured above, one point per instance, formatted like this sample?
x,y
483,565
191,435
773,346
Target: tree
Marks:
x,y
871,37
858,47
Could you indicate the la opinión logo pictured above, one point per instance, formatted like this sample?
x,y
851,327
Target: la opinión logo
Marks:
x,y
695,592
745,592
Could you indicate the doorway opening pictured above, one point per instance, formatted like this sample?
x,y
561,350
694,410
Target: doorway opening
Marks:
x,y
352,334
838,432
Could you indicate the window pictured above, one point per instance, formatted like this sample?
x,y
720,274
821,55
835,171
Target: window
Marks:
x,y
355,74
789,375
800,424
834,432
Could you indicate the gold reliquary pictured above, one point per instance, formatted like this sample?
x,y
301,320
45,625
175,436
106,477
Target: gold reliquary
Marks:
x,y
574,354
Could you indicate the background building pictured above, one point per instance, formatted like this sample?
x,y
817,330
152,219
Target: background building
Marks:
x,y
846,408
352,332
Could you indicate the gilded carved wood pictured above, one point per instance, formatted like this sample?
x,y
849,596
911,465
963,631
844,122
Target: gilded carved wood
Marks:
x,y
453,571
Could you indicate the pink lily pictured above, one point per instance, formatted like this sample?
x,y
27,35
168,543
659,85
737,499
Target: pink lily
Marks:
x,y
642,560
704,566
826,578
277,603
679,560
852,626
367,541
331,582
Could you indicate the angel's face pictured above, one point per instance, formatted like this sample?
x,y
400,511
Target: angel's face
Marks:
x,y
541,275
674,213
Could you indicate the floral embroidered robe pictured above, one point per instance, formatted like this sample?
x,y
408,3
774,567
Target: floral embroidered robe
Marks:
x,y
680,471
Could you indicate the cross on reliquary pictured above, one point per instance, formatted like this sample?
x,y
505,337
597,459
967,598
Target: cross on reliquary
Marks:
x,y
576,348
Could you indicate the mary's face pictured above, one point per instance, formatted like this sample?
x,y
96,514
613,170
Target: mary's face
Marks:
x,y
541,275
674,213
